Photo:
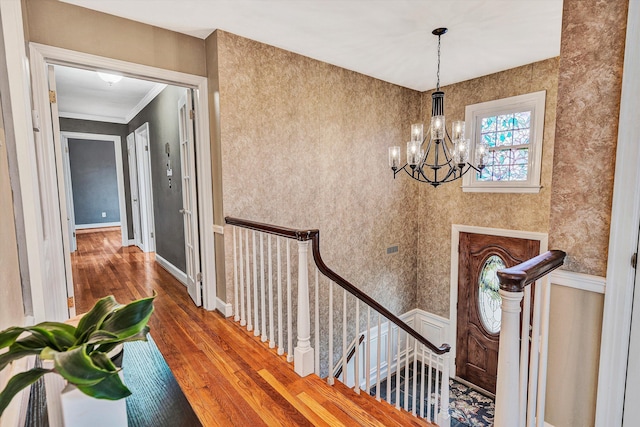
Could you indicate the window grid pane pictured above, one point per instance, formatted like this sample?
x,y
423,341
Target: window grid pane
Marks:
x,y
507,136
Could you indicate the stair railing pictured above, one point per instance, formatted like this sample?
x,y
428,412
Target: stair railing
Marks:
x,y
522,363
327,334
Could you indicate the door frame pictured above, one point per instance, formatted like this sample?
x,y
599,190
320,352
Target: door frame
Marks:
x,y
132,161
145,189
623,238
117,146
40,56
456,229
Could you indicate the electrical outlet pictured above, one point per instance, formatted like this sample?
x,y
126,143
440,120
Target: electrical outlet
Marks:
x,y
104,214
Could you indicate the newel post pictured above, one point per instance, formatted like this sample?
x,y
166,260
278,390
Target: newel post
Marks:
x,y
303,363
507,396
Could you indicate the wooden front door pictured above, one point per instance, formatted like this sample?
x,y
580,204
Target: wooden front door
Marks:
x,y
478,329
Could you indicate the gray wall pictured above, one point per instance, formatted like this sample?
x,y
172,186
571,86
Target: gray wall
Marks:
x,y
94,181
162,115
101,128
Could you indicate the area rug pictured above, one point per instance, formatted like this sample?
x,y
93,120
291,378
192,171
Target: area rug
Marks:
x,y
467,407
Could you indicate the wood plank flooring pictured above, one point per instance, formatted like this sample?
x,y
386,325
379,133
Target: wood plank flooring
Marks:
x,y
228,375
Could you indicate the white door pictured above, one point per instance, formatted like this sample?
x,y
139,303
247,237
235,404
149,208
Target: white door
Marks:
x,y
133,184
71,218
189,197
53,224
145,192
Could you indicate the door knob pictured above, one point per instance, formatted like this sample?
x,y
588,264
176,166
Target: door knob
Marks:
x,y
181,211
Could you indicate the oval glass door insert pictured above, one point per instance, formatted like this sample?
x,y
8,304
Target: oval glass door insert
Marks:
x,y
488,296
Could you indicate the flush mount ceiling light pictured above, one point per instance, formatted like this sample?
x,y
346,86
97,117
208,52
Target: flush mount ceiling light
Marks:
x,y
438,157
109,78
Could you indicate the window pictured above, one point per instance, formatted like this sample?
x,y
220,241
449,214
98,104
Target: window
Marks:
x,y
512,129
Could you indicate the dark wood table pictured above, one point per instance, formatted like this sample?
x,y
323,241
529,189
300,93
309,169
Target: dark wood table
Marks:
x,y
156,398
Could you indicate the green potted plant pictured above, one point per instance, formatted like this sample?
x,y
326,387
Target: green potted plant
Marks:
x,y
78,353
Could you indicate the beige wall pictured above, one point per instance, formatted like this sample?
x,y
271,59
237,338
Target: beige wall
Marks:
x,y
71,27
12,312
443,206
589,85
575,321
304,145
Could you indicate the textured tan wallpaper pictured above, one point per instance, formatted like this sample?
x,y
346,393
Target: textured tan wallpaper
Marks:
x,y
304,145
589,85
72,27
443,206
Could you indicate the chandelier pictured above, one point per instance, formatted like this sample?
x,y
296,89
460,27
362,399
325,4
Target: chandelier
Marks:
x,y
438,157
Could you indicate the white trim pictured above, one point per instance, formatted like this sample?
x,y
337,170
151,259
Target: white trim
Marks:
x,y
534,101
131,242
122,203
43,54
98,225
224,307
218,229
571,279
21,115
623,238
92,117
456,229
150,96
180,275
145,188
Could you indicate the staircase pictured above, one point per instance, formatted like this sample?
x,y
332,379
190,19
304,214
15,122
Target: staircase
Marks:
x,y
286,297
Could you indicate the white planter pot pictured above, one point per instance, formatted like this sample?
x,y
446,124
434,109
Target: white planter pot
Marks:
x,y
80,410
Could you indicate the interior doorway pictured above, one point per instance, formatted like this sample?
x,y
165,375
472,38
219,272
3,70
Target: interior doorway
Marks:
x,y
43,56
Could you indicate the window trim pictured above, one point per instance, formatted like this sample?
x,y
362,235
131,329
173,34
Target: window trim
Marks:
x,y
535,102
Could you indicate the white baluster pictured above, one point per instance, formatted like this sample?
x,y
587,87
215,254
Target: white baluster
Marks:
x,y
398,368
507,405
243,318
303,360
280,330
248,277
367,347
406,371
289,309
236,306
431,389
356,365
535,357
256,331
344,337
389,359
415,375
444,419
331,367
272,342
423,399
524,355
378,355
544,349
316,320
263,309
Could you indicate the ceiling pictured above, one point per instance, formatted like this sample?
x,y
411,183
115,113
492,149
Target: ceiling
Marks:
x,y
387,39
81,94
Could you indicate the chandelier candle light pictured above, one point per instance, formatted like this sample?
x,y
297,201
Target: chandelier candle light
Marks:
x,y
427,155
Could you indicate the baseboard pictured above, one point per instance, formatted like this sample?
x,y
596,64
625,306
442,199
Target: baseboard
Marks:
x,y
172,269
571,279
224,307
98,225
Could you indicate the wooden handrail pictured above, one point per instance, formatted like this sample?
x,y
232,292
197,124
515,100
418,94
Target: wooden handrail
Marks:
x,y
516,278
314,236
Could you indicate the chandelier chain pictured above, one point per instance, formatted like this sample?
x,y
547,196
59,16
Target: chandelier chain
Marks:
x,y
438,74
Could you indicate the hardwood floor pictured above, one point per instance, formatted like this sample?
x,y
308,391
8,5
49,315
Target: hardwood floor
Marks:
x,y
229,376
